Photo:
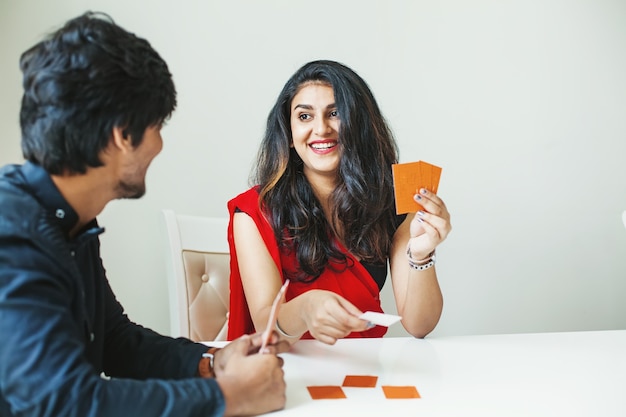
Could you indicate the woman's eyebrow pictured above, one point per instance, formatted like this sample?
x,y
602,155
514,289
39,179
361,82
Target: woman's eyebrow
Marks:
x,y
309,107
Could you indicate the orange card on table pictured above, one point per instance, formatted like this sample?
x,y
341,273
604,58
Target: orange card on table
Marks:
x,y
408,178
397,392
326,392
364,381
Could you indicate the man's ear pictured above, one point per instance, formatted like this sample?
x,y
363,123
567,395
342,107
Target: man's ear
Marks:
x,y
119,141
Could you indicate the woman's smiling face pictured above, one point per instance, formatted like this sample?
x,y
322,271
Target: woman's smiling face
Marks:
x,y
315,129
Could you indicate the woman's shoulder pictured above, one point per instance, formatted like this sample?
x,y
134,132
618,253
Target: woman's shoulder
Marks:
x,y
252,192
245,199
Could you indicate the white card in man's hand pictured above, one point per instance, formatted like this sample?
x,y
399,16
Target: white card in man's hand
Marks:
x,y
380,319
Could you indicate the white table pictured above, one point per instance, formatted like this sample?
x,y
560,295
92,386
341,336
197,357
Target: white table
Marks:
x,y
541,374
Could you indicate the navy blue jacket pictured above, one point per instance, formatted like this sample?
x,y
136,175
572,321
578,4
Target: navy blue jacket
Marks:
x,y
66,346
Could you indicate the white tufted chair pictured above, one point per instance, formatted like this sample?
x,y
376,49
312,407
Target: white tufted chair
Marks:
x,y
198,276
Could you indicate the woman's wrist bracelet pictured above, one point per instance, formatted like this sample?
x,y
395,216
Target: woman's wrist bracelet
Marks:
x,y
282,332
422,264
422,267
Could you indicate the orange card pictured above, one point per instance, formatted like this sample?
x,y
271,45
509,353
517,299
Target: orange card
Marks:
x,y
363,381
435,174
326,392
408,178
396,392
425,177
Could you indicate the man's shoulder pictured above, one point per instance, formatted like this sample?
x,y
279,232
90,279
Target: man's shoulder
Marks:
x,y
28,235
20,208
11,177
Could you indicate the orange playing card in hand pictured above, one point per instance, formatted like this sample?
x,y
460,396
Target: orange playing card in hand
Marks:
x,y
408,178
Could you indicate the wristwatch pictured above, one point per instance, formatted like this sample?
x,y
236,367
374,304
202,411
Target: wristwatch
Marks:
x,y
205,366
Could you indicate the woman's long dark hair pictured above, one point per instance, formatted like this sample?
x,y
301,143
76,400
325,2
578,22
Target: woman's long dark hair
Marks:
x,y
362,203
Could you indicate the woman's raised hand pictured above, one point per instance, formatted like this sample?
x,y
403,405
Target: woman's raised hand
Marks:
x,y
430,226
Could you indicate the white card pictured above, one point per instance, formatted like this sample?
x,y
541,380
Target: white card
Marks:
x,y
380,319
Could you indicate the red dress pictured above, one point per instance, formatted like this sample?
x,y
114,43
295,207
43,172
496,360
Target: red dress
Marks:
x,y
352,282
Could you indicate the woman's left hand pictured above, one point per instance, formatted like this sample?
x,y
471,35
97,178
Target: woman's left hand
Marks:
x,y
430,226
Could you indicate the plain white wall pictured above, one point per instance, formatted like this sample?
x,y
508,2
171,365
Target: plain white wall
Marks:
x,y
523,104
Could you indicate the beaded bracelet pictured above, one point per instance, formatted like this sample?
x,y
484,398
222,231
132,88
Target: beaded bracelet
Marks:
x,y
422,264
422,267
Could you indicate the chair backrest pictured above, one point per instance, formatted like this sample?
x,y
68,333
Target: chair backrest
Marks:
x,y
198,276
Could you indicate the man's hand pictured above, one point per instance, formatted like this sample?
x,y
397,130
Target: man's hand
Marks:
x,y
252,383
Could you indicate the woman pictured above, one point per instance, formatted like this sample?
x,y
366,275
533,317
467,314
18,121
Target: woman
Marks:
x,y
322,215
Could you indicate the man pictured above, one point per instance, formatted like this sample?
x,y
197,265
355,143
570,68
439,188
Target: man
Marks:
x,y
95,97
